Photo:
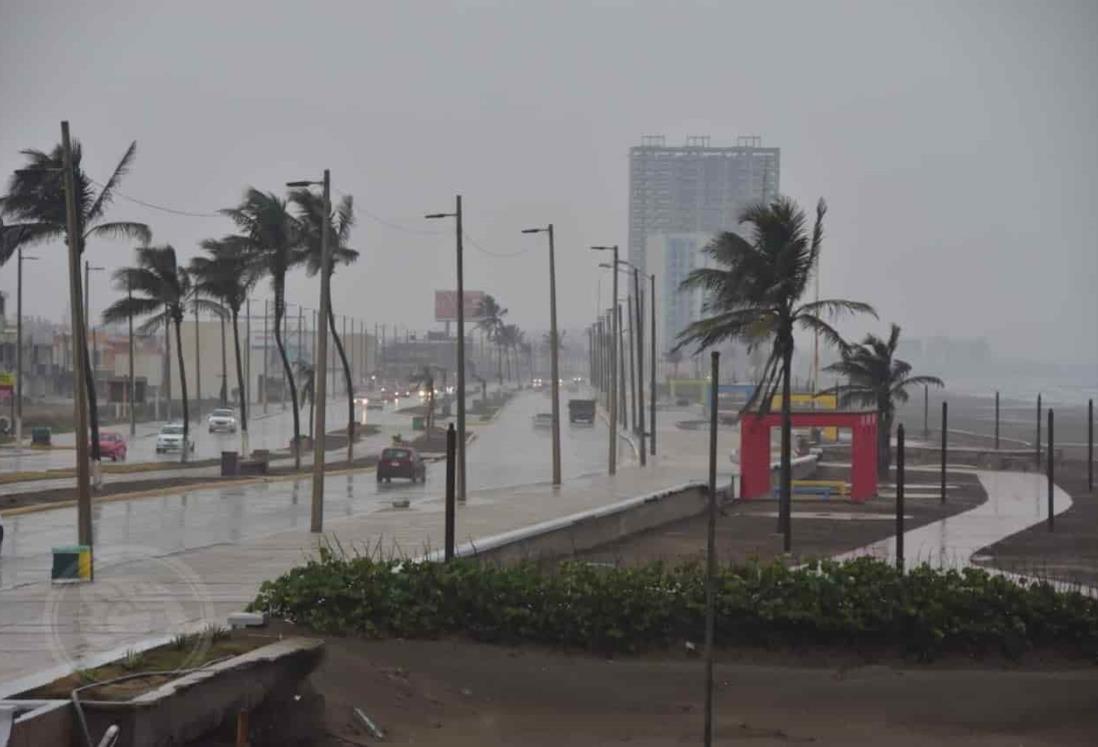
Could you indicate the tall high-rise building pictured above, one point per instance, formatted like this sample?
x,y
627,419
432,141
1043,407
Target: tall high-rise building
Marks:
x,y
694,187
679,198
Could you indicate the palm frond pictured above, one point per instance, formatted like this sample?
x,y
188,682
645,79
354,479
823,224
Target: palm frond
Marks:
x,y
121,230
106,194
835,307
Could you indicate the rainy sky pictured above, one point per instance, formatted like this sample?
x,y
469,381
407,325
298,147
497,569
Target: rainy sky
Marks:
x,y
954,141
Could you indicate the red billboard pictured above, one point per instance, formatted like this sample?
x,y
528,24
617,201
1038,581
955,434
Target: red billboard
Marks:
x,y
446,305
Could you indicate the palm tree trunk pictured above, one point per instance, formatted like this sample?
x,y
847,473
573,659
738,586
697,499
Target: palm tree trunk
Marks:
x,y
280,305
347,381
786,490
224,368
93,410
499,363
182,387
240,385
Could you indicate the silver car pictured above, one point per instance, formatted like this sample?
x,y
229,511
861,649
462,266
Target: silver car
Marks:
x,y
222,420
171,439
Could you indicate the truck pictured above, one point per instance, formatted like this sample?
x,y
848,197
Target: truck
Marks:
x,y
581,411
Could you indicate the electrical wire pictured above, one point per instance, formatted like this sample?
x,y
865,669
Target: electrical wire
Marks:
x,y
153,206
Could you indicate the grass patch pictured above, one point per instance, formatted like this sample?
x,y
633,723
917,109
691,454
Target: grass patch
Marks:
x,y
860,603
185,651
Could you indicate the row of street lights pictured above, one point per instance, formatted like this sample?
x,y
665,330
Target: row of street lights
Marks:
x,y
607,337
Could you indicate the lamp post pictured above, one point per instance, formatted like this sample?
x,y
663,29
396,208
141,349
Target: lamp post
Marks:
x,y
613,457
456,215
316,522
553,349
19,348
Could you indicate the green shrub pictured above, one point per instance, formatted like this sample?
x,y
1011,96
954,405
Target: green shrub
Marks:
x,y
861,602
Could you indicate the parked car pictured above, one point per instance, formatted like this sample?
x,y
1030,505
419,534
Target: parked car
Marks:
x,y
170,438
581,411
112,446
222,420
401,461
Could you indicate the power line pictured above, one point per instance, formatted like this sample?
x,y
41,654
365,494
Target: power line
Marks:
x,y
152,206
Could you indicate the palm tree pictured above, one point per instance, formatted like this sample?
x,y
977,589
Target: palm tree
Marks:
x,y
272,236
160,289
307,375
491,321
875,377
425,378
36,198
310,215
754,294
228,275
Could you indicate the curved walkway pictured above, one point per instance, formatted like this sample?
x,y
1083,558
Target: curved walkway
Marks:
x,y
1015,501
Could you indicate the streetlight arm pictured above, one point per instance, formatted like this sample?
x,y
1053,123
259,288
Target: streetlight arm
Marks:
x,y
440,215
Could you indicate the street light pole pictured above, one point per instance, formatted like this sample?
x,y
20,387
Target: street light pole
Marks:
x,y
640,363
553,349
457,216
652,383
316,522
80,398
19,349
614,334
133,387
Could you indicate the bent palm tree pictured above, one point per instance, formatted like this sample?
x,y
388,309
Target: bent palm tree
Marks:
x,y
160,291
310,214
36,198
228,275
877,378
754,295
491,321
272,236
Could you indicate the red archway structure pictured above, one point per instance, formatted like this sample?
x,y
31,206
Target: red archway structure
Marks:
x,y
755,448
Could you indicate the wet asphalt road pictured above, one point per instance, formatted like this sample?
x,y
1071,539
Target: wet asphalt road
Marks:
x,y
508,451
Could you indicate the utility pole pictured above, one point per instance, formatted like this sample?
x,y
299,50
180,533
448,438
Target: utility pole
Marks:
x,y
640,362
19,349
457,216
80,399
246,395
630,302
554,348
197,363
652,383
266,337
133,385
316,523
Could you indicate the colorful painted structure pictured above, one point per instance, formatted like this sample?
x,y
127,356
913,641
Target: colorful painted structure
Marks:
x,y
755,448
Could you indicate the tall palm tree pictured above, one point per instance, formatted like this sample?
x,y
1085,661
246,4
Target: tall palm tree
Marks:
x,y
875,377
425,377
161,289
754,294
310,215
491,321
272,236
36,198
227,274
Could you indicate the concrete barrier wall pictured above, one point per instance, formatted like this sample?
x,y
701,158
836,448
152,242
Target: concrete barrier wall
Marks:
x,y
568,535
42,722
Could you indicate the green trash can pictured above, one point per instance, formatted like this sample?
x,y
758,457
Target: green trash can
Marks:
x,y
418,422
40,435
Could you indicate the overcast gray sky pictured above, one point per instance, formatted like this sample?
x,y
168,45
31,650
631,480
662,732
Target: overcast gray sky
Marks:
x,y
954,141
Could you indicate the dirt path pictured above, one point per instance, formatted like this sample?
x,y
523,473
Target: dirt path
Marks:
x,y
459,694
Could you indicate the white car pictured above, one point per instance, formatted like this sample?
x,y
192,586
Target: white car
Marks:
x,y
222,420
170,438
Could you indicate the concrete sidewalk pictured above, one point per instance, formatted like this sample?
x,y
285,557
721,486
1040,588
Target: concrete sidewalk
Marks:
x,y
45,629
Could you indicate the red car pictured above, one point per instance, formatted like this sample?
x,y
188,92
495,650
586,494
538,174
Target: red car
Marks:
x,y
112,446
401,461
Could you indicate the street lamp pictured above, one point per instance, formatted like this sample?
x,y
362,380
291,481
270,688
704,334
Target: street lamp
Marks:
x,y
19,349
553,349
320,364
456,215
613,457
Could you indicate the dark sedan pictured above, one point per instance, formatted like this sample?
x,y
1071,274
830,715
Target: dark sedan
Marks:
x,y
401,461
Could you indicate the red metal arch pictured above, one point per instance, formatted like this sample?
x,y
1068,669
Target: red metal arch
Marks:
x,y
755,448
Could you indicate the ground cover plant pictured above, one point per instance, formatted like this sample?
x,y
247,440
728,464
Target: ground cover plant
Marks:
x,y
862,603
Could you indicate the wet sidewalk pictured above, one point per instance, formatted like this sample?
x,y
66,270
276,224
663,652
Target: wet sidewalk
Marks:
x,y
45,627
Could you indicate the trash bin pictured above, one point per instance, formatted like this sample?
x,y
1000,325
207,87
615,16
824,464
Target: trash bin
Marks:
x,y
71,563
418,422
230,464
40,435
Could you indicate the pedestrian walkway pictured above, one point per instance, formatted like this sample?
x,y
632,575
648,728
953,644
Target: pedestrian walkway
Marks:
x,y
131,603
1015,501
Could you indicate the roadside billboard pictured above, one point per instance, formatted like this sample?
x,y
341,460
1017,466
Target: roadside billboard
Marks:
x,y
446,305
